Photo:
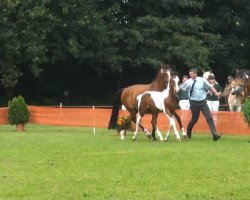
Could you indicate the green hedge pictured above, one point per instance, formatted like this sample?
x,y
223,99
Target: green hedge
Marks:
x,y
246,111
18,112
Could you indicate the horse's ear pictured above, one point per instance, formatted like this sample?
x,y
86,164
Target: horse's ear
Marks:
x,y
163,66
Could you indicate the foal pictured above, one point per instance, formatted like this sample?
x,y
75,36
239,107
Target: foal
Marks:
x,y
153,102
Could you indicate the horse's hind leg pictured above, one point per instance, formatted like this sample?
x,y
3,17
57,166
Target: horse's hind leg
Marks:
x,y
138,121
154,123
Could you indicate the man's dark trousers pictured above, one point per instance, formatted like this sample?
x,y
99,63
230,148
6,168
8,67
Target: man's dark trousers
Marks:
x,y
196,107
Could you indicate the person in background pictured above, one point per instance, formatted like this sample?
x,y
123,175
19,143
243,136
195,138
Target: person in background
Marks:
x,y
184,96
213,100
198,103
229,80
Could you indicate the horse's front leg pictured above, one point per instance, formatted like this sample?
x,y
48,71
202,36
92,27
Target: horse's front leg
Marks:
x,y
148,134
177,117
231,108
172,123
159,134
167,135
239,108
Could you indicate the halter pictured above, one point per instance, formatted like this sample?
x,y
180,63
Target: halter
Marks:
x,y
241,86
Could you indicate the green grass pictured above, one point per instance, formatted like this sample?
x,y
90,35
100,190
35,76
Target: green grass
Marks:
x,y
48,162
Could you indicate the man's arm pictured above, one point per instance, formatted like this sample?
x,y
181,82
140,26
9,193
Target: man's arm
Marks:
x,y
185,85
214,91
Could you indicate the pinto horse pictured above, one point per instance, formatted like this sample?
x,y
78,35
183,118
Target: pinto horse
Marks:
x,y
127,97
153,102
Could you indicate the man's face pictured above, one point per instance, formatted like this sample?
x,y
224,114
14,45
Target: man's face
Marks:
x,y
192,75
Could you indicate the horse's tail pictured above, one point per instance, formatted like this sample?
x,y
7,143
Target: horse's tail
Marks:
x,y
115,110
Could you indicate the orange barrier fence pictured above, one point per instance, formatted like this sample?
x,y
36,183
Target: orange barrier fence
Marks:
x,y
226,122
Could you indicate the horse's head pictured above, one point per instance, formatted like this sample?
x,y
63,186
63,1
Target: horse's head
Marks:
x,y
176,85
174,82
238,86
164,75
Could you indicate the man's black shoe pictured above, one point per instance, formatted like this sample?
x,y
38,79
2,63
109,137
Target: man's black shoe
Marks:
x,y
216,137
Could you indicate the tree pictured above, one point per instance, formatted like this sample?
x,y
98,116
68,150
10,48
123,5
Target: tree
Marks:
x,y
154,32
35,34
230,19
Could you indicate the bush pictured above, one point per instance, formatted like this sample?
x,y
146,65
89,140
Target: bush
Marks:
x,y
122,123
246,111
18,112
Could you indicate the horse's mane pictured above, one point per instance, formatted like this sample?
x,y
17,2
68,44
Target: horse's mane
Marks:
x,y
242,72
162,66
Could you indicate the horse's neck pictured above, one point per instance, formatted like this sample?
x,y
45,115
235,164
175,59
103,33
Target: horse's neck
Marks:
x,y
158,85
227,90
165,93
248,85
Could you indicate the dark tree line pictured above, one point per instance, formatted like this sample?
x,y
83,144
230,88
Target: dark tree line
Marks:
x,y
80,52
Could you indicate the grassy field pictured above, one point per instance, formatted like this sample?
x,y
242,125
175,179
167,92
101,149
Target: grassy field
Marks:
x,y
48,162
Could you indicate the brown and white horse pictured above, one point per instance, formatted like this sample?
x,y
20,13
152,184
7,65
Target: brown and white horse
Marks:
x,y
153,102
127,97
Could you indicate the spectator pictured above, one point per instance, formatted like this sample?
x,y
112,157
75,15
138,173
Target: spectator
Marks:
x,y
213,100
184,96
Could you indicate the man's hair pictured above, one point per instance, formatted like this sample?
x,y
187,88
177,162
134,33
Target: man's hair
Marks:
x,y
193,70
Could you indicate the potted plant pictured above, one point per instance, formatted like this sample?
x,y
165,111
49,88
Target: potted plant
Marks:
x,y
122,124
18,113
246,110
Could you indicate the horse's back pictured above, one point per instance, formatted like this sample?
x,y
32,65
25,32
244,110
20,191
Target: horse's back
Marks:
x,y
129,95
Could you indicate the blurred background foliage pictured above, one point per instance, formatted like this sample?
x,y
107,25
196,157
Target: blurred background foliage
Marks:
x,y
80,52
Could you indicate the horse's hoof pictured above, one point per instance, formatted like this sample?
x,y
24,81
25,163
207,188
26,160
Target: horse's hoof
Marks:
x,y
167,138
134,139
154,139
122,138
184,137
179,139
149,136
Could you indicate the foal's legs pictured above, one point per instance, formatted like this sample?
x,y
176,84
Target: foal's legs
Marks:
x,y
169,129
133,118
172,123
